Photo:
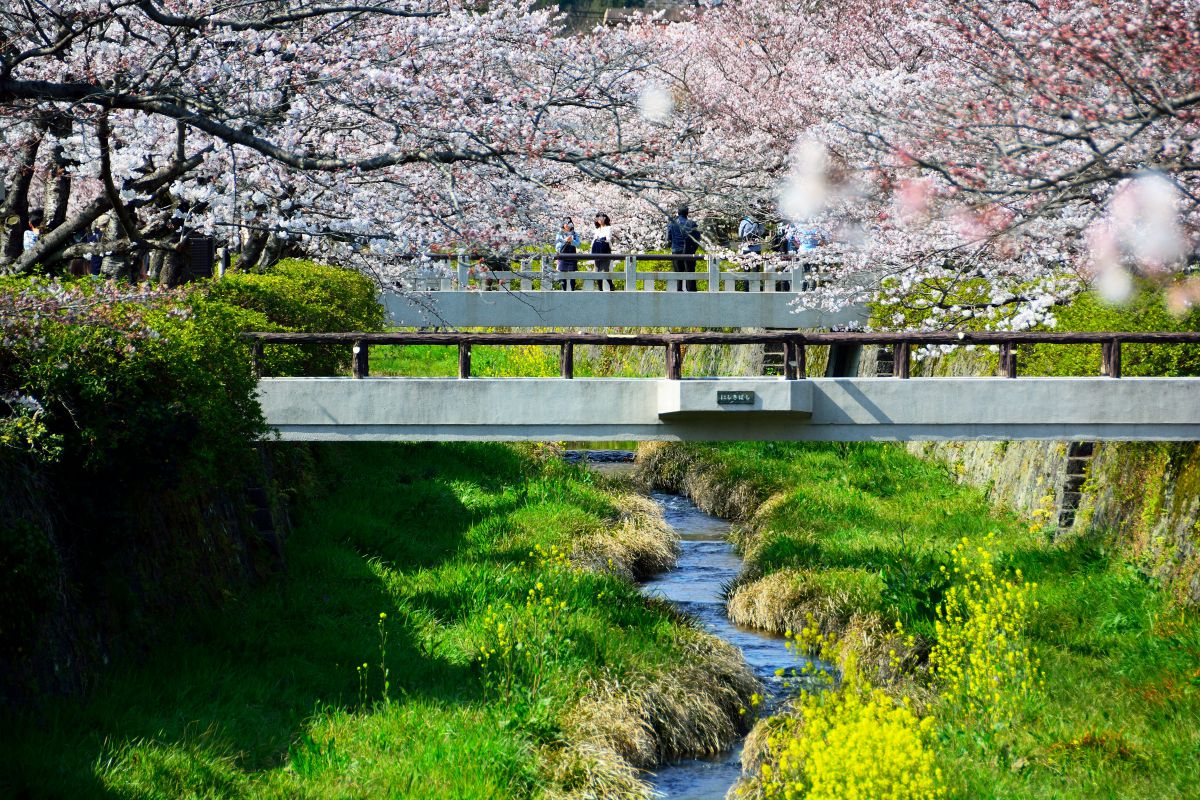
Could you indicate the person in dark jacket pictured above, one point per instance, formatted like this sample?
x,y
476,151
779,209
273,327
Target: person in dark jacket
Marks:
x,y
683,235
567,242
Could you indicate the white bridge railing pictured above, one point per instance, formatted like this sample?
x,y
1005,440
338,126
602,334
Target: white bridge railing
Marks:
x,y
541,272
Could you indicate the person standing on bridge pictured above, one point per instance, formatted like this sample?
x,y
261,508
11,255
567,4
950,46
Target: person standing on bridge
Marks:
x,y
683,235
602,243
567,242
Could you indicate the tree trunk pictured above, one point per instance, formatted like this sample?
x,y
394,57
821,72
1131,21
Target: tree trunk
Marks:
x,y
255,243
173,270
156,259
123,265
271,252
58,178
16,201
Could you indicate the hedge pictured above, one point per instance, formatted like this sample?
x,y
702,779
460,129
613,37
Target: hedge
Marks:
x,y
129,433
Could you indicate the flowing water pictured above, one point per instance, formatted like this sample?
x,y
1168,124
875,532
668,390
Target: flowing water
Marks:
x,y
707,564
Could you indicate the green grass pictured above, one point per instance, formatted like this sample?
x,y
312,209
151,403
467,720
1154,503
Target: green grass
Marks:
x,y
264,698
538,361
1120,714
439,361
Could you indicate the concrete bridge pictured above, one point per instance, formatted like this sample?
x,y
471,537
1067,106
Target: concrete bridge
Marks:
x,y
454,291
791,407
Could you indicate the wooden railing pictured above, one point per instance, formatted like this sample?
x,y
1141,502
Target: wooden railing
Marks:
x,y
540,272
795,345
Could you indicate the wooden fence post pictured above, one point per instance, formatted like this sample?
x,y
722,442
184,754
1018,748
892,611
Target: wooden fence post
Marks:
x,y
790,359
360,365
566,360
1008,360
464,360
256,357
674,361
1110,358
900,360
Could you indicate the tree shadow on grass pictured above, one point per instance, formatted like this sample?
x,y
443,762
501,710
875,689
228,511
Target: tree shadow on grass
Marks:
x,y
240,683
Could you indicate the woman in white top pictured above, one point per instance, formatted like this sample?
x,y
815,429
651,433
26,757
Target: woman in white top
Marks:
x,y
602,243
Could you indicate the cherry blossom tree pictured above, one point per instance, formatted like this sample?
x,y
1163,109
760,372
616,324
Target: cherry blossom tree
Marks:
x,y
976,163
979,161
360,132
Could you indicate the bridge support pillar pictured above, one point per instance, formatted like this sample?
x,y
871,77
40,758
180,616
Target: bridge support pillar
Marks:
x,y
843,361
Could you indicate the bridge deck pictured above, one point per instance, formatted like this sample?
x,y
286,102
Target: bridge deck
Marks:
x,y
454,291
822,409
516,309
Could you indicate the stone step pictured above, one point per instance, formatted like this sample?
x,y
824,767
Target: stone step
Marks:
x,y
1078,466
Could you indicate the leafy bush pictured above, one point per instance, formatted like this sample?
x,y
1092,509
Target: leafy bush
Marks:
x,y
126,382
128,435
1144,312
300,296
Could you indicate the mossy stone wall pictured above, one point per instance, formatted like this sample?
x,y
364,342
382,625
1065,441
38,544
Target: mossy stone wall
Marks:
x,y
1144,496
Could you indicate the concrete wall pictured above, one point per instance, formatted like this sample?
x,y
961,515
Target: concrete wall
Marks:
x,y
829,409
505,309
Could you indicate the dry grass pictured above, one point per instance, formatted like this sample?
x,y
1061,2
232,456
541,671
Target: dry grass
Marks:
x,y
671,466
694,710
639,544
790,598
895,662
584,770
755,749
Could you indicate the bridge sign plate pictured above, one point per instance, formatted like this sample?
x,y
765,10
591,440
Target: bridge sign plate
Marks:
x,y
735,398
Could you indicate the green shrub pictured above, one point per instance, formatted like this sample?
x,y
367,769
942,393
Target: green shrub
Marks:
x,y
1144,312
300,296
129,417
139,382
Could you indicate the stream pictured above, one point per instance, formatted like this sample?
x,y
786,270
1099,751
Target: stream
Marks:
x,y
707,563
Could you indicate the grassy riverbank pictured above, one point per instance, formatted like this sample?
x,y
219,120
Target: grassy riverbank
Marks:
x,y
455,621
855,536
